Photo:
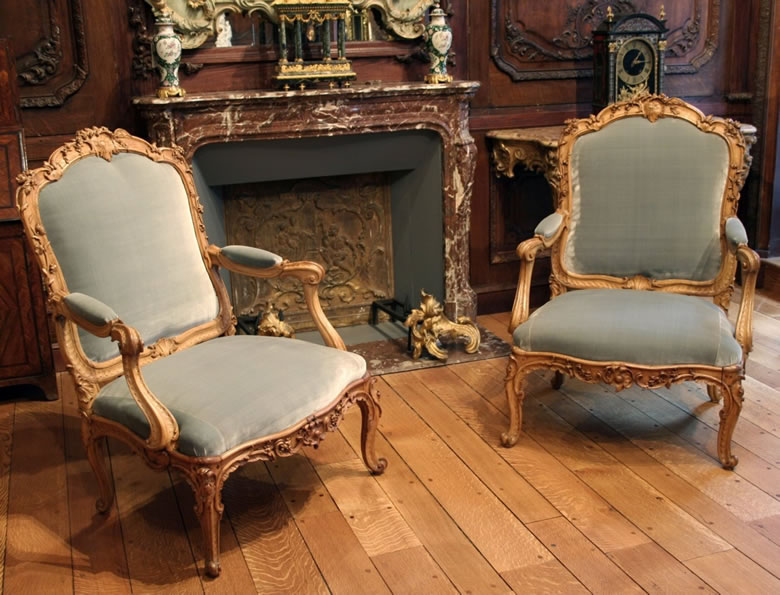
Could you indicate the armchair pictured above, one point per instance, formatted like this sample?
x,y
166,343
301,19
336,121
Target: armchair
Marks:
x,y
147,330
645,229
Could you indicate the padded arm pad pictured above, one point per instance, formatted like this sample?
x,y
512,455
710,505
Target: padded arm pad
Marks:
x,y
735,232
251,257
92,310
548,226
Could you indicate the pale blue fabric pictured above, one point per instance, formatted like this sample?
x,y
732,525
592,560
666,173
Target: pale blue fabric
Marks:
x,y
251,257
123,234
646,200
230,390
735,232
548,226
641,327
90,309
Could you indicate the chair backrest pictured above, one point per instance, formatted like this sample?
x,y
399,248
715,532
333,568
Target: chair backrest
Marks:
x,y
648,185
119,221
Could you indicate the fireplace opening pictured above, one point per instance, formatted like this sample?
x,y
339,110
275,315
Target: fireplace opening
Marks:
x,y
367,207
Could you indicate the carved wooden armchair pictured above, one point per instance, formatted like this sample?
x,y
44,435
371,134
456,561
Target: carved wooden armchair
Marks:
x,y
116,226
645,229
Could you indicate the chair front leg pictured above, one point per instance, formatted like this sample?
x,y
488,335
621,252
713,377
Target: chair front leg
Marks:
x,y
368,401
208,508
515,394
729,414
96,455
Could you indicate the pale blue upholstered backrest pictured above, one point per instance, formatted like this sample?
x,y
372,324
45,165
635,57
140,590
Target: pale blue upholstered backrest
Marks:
x,y
646,200
122,232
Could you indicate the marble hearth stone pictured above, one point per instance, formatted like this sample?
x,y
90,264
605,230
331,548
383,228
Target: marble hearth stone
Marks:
x,y
384,348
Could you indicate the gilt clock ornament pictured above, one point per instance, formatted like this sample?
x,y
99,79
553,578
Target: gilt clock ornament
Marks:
x,y
628,57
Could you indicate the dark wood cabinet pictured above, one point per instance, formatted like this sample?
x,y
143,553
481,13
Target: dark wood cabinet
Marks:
x,y
25,350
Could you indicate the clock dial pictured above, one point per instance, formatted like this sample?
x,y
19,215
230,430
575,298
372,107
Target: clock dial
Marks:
x,y
635,61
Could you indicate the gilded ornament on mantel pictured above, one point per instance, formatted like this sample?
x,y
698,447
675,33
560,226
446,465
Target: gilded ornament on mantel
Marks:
x,y
429,327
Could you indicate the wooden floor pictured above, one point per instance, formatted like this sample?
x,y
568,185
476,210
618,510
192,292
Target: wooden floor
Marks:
x,y
605,492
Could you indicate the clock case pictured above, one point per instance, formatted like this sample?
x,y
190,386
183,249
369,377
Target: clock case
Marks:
x,y
608,39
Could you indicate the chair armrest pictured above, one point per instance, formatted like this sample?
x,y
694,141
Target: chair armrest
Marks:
x,y
547,233
251,257
735,233
101,320
308,273
750,263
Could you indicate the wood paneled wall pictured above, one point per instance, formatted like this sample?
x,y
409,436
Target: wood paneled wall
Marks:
x,y
84,59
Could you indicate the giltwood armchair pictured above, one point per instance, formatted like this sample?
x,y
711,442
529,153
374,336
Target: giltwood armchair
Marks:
x,y
116,226
645,229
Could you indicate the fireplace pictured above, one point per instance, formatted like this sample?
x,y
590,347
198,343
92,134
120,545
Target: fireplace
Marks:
x,y
414,135
367,207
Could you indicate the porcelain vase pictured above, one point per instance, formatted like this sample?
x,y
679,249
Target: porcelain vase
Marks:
x,y
167,57
438,41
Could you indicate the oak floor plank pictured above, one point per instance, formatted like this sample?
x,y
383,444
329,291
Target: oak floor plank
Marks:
x,y
379,527
414,572
6,442
38,552
549,577
341,559
576,501
582,558
159,555
437,531
733,572
665,522
686,495
657,571
630,415
418,390
273,549
770,528
760,393
496,532
99,559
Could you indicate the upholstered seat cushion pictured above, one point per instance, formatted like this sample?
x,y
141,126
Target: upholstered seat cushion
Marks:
x,y
233,389
641,327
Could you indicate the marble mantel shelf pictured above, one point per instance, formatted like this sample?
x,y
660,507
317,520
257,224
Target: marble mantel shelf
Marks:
x,y
197,120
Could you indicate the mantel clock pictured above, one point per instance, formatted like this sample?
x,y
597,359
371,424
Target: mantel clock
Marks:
x,y
628,57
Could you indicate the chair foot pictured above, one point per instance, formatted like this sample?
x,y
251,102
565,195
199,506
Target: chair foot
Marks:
x,y
509,439
729,414
557,380
371,412
213,568
96,455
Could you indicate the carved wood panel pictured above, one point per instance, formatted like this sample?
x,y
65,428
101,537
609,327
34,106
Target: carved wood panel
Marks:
x,y
342,222
552,40
50,46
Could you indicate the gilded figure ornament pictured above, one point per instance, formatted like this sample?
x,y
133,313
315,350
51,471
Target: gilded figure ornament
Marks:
x,y
271,325
429,326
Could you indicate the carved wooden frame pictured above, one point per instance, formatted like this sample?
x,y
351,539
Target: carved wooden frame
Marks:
x,y
206,475
725,381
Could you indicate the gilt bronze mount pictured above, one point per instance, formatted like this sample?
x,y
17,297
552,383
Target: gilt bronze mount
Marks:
x,y
429,326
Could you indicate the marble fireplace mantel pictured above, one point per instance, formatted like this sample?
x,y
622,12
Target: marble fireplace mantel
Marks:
x,y
197,120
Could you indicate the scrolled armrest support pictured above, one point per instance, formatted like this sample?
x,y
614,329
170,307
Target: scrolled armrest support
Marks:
x,y
99,319
750,263
547,233
310,274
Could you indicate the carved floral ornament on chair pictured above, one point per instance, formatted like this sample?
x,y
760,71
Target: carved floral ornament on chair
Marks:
x,y
646,226
117,229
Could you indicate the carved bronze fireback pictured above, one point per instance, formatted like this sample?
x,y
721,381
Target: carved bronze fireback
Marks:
x,y
429,326
341,222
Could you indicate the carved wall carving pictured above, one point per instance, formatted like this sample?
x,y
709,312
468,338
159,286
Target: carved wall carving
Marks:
x,y
553,41
342,222
50,45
